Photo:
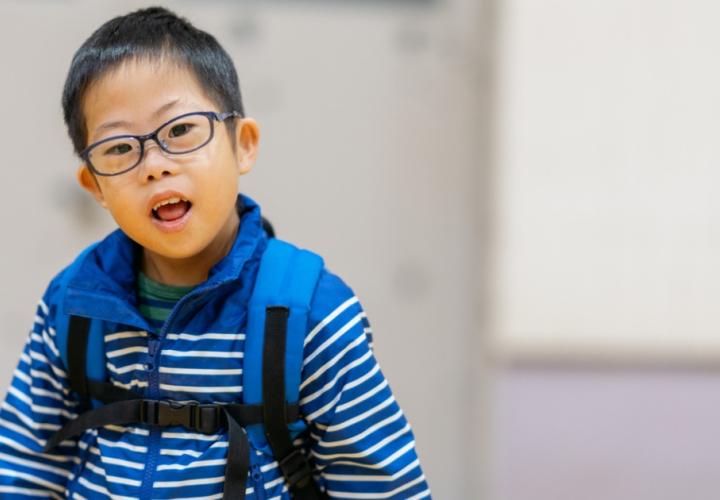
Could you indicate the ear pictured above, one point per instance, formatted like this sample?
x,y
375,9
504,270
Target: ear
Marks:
x,y
89,183
247,135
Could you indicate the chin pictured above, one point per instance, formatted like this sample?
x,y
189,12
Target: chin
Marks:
x,y
168,249
175,252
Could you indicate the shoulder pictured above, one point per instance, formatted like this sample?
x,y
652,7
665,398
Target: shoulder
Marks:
x,y
336,314
332,301
332,295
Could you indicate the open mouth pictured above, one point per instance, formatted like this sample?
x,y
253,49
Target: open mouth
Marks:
x,y
171,209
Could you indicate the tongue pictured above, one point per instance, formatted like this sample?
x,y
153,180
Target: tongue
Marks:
x,y
172,211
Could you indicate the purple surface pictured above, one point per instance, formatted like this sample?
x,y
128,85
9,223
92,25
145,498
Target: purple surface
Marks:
x,y
573,434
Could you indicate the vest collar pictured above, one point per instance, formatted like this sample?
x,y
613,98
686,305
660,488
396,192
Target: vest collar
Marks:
x,y
103,284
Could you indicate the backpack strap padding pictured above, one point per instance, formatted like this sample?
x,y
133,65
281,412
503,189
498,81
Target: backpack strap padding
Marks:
x,y
90,334
287,277
83,352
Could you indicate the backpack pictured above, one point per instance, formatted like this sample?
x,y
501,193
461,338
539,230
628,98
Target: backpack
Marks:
x,y
277,322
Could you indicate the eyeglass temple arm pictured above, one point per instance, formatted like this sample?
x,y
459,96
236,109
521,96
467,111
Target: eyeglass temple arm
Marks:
x,y
224,116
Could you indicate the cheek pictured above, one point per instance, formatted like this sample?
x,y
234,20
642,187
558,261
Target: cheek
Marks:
x,y
218,178
122,203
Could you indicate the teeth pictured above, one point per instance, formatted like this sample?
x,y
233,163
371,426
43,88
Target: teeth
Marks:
x,y
168,201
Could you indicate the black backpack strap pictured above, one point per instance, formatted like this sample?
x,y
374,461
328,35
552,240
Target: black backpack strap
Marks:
x,y
293,464
78,332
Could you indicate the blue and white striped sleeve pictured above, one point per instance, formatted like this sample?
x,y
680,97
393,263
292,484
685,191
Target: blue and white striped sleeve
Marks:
x,y
36,405
361,442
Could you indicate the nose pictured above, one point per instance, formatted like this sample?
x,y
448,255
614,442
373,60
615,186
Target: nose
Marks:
x,y
155,163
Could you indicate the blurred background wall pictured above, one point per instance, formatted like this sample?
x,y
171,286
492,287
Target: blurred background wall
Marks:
x,y
603,296
521,193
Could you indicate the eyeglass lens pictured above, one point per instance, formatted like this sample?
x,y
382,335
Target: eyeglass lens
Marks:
x,y
181,135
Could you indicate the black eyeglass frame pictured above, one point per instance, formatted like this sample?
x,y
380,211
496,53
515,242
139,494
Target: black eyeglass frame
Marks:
x,y
210,115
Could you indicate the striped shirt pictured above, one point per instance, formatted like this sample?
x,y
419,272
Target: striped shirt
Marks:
x,y
357,437
156,300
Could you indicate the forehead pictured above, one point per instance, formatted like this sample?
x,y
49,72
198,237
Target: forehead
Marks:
x,y
138,93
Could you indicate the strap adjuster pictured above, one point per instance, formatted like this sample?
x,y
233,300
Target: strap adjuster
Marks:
x,y
206,418
296,469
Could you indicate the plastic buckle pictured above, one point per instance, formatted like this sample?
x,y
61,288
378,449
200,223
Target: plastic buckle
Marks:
x,y
208,418
296,469
172,413
193,415
165,413
149,412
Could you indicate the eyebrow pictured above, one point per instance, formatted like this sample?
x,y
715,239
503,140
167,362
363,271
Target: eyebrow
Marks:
x,y
123,123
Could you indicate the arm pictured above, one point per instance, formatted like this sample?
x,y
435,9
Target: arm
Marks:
x,y
36,405
361,442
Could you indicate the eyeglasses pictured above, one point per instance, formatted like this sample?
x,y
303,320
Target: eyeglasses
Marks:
x,y
181,135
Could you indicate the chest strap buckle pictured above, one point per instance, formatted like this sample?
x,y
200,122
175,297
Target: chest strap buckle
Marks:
x,y
204,418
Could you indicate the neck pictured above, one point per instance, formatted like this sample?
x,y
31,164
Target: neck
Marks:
x,y
191,271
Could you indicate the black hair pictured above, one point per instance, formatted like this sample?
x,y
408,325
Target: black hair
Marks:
x,y
153,33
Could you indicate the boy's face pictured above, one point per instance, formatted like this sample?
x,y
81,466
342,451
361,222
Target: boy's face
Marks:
x,y
136,98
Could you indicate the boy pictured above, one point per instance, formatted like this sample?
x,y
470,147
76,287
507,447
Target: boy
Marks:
x,y
153,109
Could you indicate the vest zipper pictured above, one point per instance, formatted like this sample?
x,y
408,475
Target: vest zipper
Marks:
x,y
153,390
153,442
258,483
153,349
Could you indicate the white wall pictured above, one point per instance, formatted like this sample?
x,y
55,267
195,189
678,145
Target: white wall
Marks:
x,y
607,178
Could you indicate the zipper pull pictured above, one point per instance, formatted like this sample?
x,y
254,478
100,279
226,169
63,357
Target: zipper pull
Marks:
x,y
153,348
153,345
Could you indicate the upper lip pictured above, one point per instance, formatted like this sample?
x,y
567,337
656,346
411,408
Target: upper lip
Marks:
x,y
165,195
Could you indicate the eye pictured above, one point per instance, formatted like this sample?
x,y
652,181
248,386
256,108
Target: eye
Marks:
x,y
180,129
118,149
